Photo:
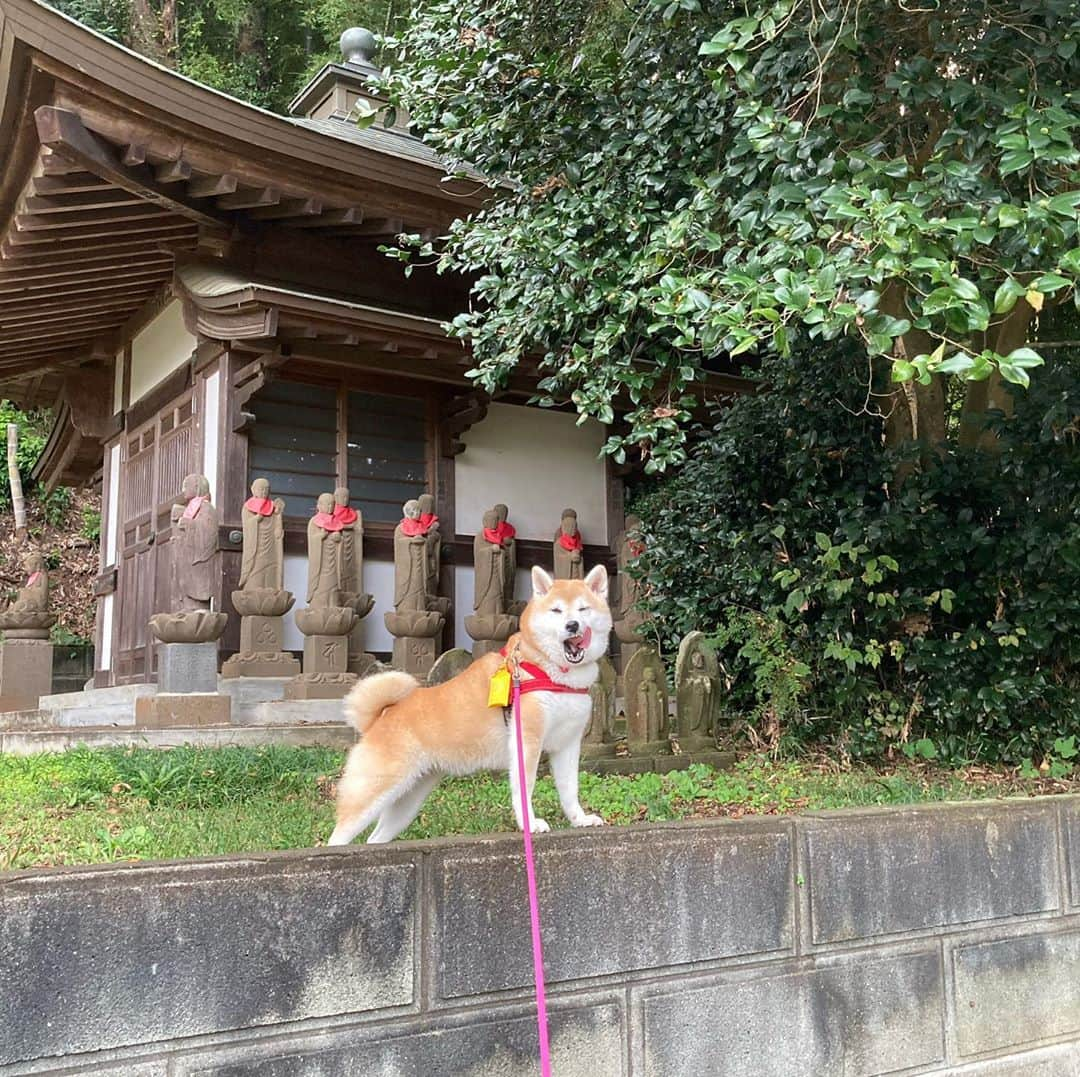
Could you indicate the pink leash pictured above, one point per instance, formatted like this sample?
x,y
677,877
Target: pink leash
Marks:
x,y
534,903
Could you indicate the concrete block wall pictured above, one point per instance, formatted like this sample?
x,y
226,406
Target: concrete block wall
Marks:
x,y
932,940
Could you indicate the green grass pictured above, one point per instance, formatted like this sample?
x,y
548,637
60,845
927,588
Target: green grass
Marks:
x,y
87,807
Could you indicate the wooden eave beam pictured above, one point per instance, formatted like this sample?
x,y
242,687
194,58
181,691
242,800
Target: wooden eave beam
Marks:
x,y
79,218
72,183
81,252
93,235
289,207
66,202
92,277
63,132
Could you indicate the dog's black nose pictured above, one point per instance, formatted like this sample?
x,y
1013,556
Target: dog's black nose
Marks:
x,y
572,627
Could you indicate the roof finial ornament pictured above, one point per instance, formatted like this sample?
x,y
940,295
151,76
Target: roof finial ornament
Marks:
x,y
358,46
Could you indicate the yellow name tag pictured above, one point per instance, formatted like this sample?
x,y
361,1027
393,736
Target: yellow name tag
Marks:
x,y
499,692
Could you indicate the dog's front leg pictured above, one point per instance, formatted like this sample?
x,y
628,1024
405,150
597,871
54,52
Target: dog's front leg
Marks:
x,y
532,761
564,769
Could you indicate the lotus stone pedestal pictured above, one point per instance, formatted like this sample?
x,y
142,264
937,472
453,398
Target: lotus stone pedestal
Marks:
x,y
261,635
326,654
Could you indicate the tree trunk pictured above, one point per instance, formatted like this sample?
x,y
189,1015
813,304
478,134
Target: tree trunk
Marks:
x,y
982,397
18,504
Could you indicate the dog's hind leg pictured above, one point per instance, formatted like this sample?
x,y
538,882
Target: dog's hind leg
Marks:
x,y
361,799
399,813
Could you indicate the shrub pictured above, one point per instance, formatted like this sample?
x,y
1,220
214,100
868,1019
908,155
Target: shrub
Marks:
x,y
948,611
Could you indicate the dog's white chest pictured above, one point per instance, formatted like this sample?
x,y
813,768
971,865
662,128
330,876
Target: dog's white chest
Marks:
x,y
565,716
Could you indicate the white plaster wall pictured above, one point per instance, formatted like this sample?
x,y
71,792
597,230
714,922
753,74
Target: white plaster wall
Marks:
x,y
211,431
118,383
378,580
463,607
158,350
104,654
538,463
112,520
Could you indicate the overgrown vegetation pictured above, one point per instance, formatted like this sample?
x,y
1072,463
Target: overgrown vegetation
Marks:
x,y
683,181
122,804
854,610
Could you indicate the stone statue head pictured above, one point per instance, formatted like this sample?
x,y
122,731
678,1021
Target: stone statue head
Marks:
x,y
325,503
189,488
501,513
569,521
649,674
261,488
697,660
341,496
427,505
633,523
491,519
411,509
33,561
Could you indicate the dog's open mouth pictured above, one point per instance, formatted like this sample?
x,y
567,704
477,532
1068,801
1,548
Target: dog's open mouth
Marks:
x,y
574,648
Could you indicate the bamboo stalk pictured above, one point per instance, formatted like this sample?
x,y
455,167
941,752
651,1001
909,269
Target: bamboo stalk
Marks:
x,y
18,504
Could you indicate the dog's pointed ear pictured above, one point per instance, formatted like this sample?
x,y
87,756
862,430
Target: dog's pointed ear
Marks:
x,y
542,582
597,581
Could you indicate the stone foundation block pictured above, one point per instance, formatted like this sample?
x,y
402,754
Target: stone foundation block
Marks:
x,y
320,686
586,1041
188,710
414,655
326,654
855,1018
262,664
260,634
25,673
734,900
160,953
187,667
1017,991
886,872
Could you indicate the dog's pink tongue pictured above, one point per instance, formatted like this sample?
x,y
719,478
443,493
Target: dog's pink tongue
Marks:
x,y
583,641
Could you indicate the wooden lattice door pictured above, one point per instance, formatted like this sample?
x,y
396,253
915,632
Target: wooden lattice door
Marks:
x,y
156,457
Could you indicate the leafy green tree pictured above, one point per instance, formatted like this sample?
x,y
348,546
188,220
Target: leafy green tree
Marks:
x,y
680,182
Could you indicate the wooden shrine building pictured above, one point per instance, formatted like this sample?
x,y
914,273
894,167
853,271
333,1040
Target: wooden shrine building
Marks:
x,y
194,285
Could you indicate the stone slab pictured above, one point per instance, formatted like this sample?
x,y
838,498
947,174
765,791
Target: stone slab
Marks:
x,y
1070,817
245,690
611,903
115,957
320,686
25,673
313,735
1017,991
271,664
888,872
1062,1060
853,1018
586,1041
93,697
168,710
187,667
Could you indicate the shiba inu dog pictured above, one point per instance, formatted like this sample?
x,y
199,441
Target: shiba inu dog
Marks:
x,y
411,736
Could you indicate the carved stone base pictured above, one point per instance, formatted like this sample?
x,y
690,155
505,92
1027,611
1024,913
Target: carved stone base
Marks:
x,y
187,667
415,656
25,672
320,685
259,634
168,710
326,654
26,624
261,664
188,626
363,664
487,646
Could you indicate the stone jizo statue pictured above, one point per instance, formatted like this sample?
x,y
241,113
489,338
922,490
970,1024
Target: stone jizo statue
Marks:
x,y
263,564
568,549
645,698
697,686
33,596
193,544
324,555
492,621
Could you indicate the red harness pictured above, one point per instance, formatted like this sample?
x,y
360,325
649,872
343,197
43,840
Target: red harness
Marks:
x,y
541,682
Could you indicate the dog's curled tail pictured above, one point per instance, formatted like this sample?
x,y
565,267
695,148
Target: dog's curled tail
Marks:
x,y
372,695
